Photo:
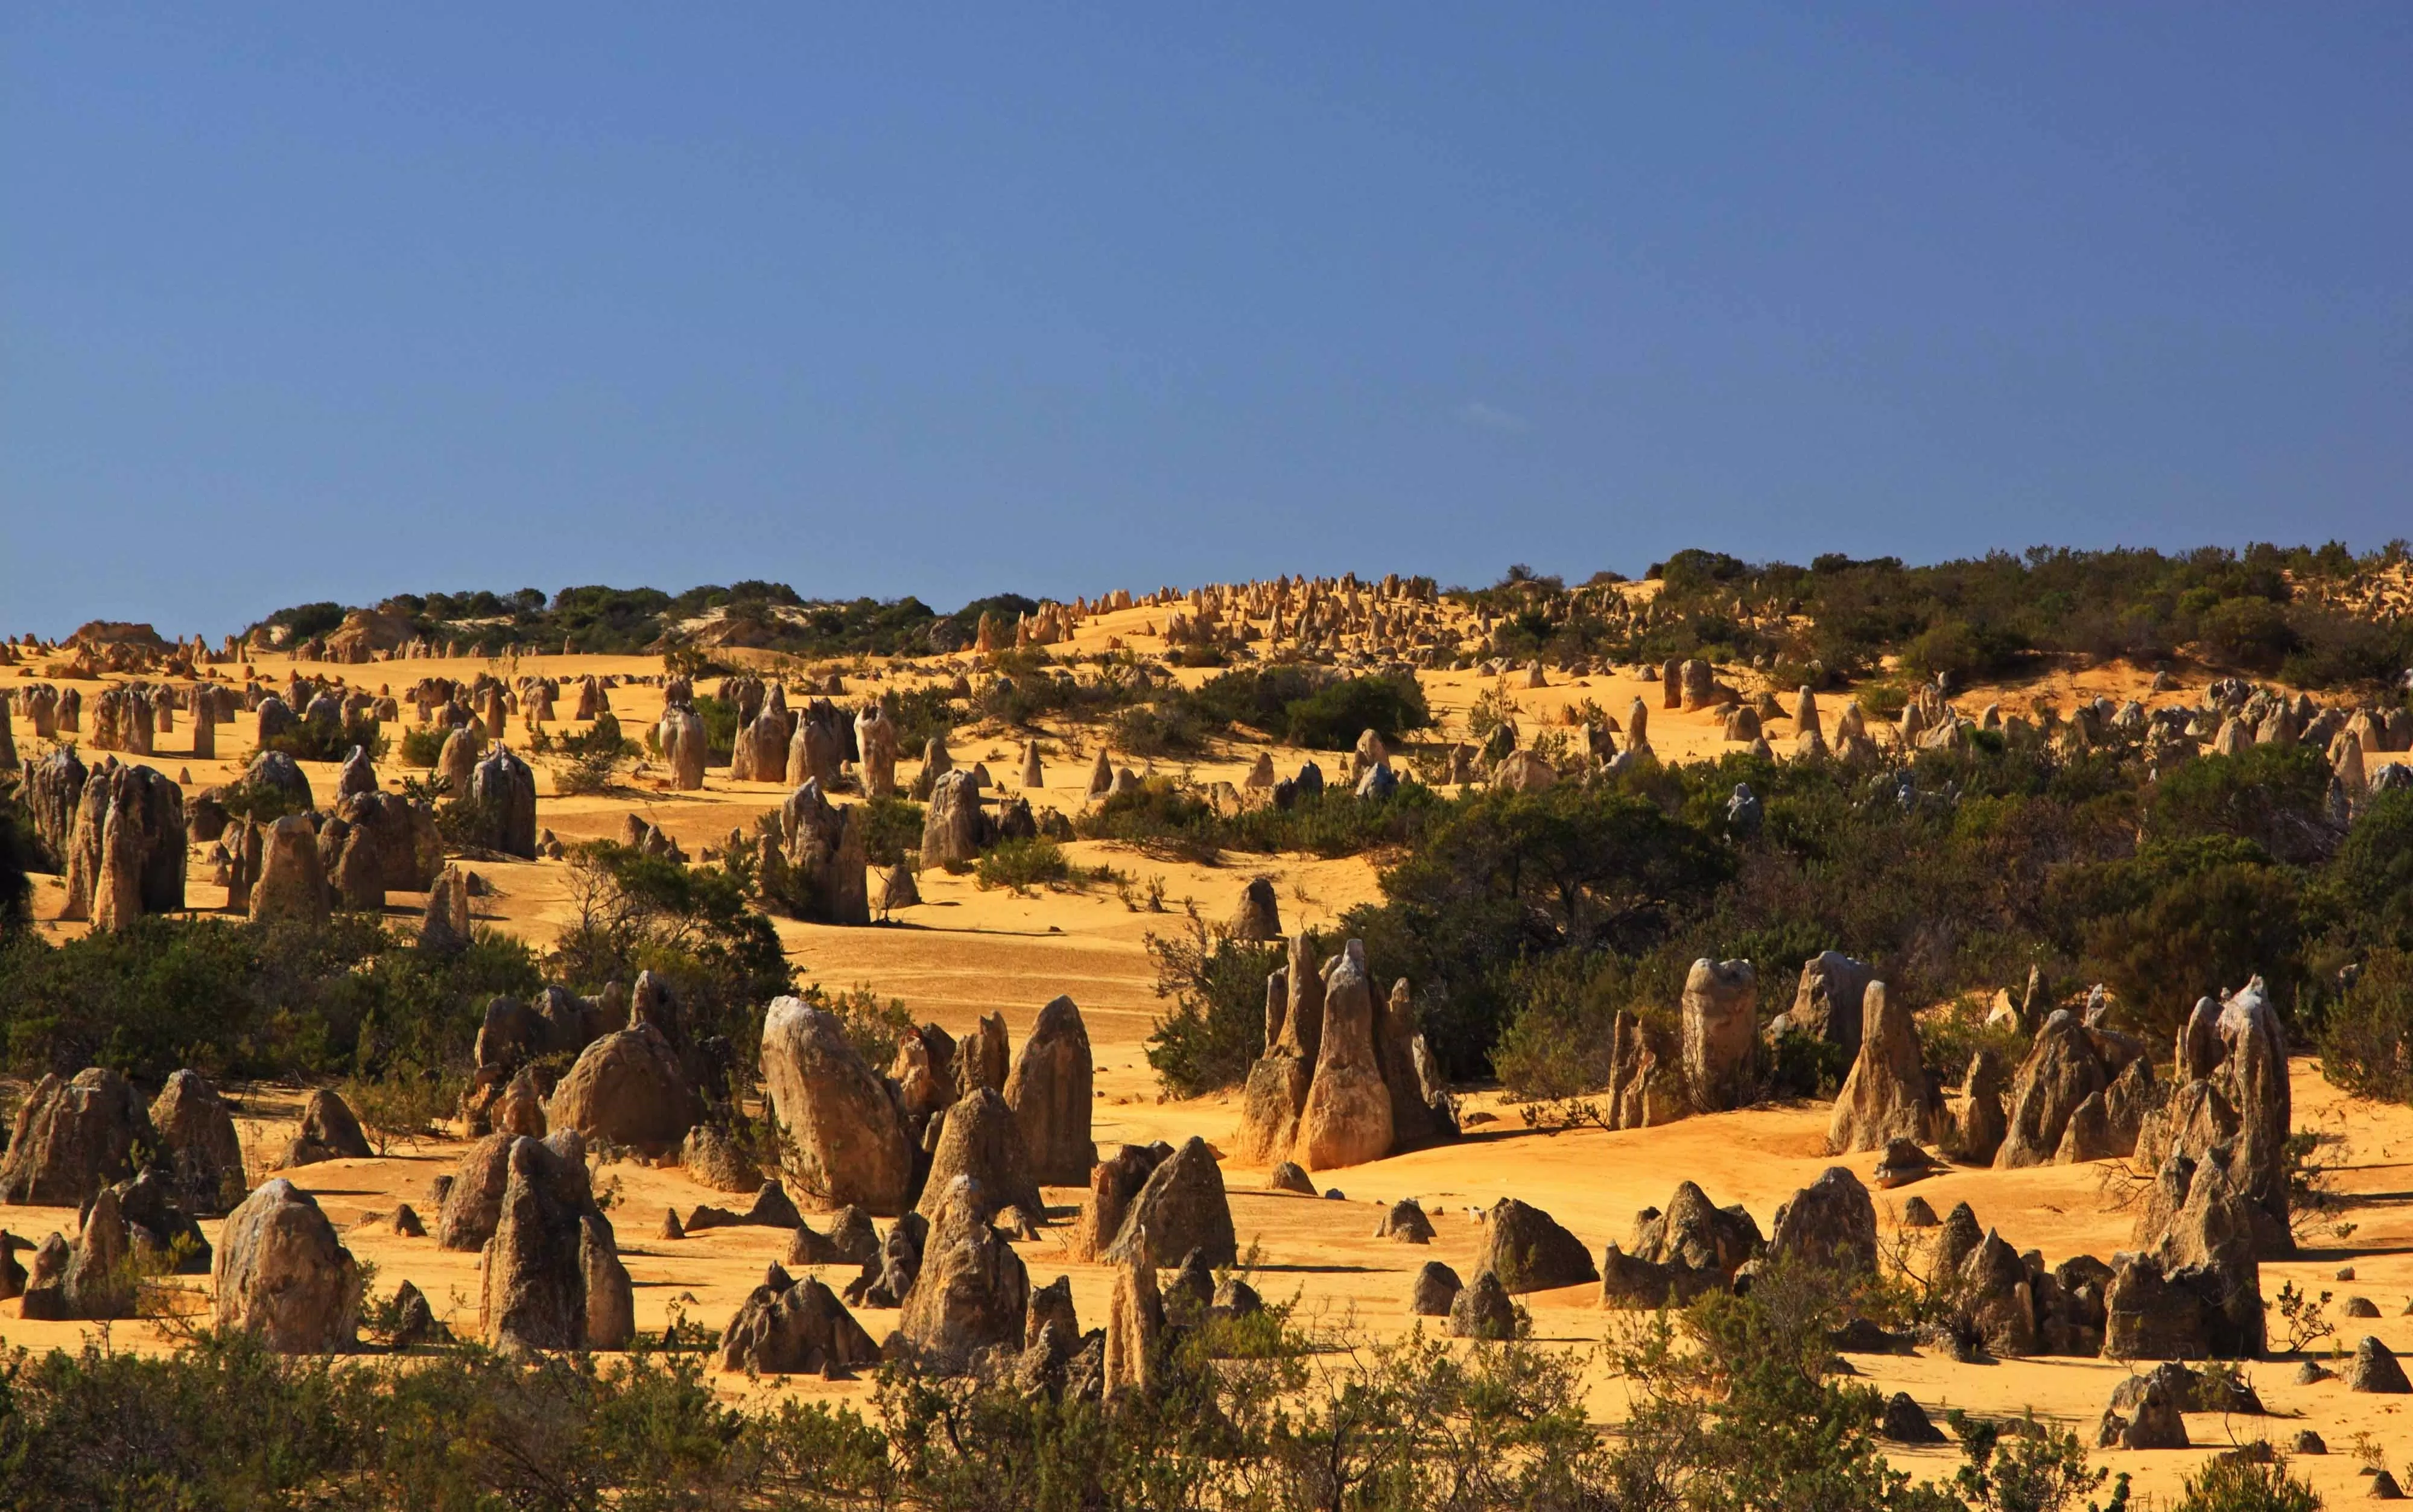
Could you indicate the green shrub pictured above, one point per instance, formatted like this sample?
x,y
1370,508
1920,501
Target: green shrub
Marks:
x,y
2237,1481
238,999
1332,718
891,825
422,746
1217,1023
1159,816
314,742
1022,864
2367,1038
1159,729
589,760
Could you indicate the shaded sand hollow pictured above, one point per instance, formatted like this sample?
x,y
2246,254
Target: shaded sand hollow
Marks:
x,y
966,952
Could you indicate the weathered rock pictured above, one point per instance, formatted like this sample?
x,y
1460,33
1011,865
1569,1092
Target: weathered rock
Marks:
x,y
1421,1111
1050,1090
1180,1208
1115,1183
628,1089
981,1139
2156,1423
1436,1285
97,1284
2062,1069
1830,1002
1904,1162
73,1137
44,1296
292,883
473,1199
1484,1311
819,870
1886,1095
875,741
981,1058
1525,1250
504,790
953,828
1980,1123
1287,1177
553,1277
684,745
1260,913
712,1158
1279,1080
1694,1234
972,1291
1721,1032
1346,1119
846,1136
328,1132
1404,1223
197,1135
1998,1299
520,1109
1906,1422
2375,1369
281,1273
794,1329
1135,1327
1831,1221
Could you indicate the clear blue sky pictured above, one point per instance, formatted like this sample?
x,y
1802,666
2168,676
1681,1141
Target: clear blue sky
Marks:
x,y
316,300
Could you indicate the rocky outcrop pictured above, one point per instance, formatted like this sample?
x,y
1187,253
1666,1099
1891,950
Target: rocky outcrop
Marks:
x,y
628,1089
972,1291
1525,1250
203,1156
981,1140
281,1273
955,830
1830,1223
1259,916
328,1131
1279,1080
1346,1119
818,870
1721,1034
1115,1183
293,885
1979,1122
795,1328
2232,1106
1829,1004
845,1135
503,790
126,855
2067,1063
1886,1094
1180,1208
1421,1111
1435,1287
553,1277
1483,1310
1050,1090
1135,1327
73,1137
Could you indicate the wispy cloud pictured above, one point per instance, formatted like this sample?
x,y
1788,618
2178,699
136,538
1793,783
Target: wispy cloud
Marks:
x,y
1491,417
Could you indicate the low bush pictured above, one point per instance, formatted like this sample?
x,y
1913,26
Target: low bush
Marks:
x,y
317,741
1216,1025
891,826
1332,717
590,761
422,746
1022,864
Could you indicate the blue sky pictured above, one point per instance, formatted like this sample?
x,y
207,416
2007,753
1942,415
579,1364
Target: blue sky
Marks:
x,y
330,302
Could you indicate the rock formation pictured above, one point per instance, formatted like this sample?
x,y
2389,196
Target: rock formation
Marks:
x,y
846,1135
281,1273
1050,1090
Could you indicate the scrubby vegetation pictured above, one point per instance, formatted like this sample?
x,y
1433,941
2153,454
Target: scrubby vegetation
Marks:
x,y
598,620
1526,921
2267,609
1733,1409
